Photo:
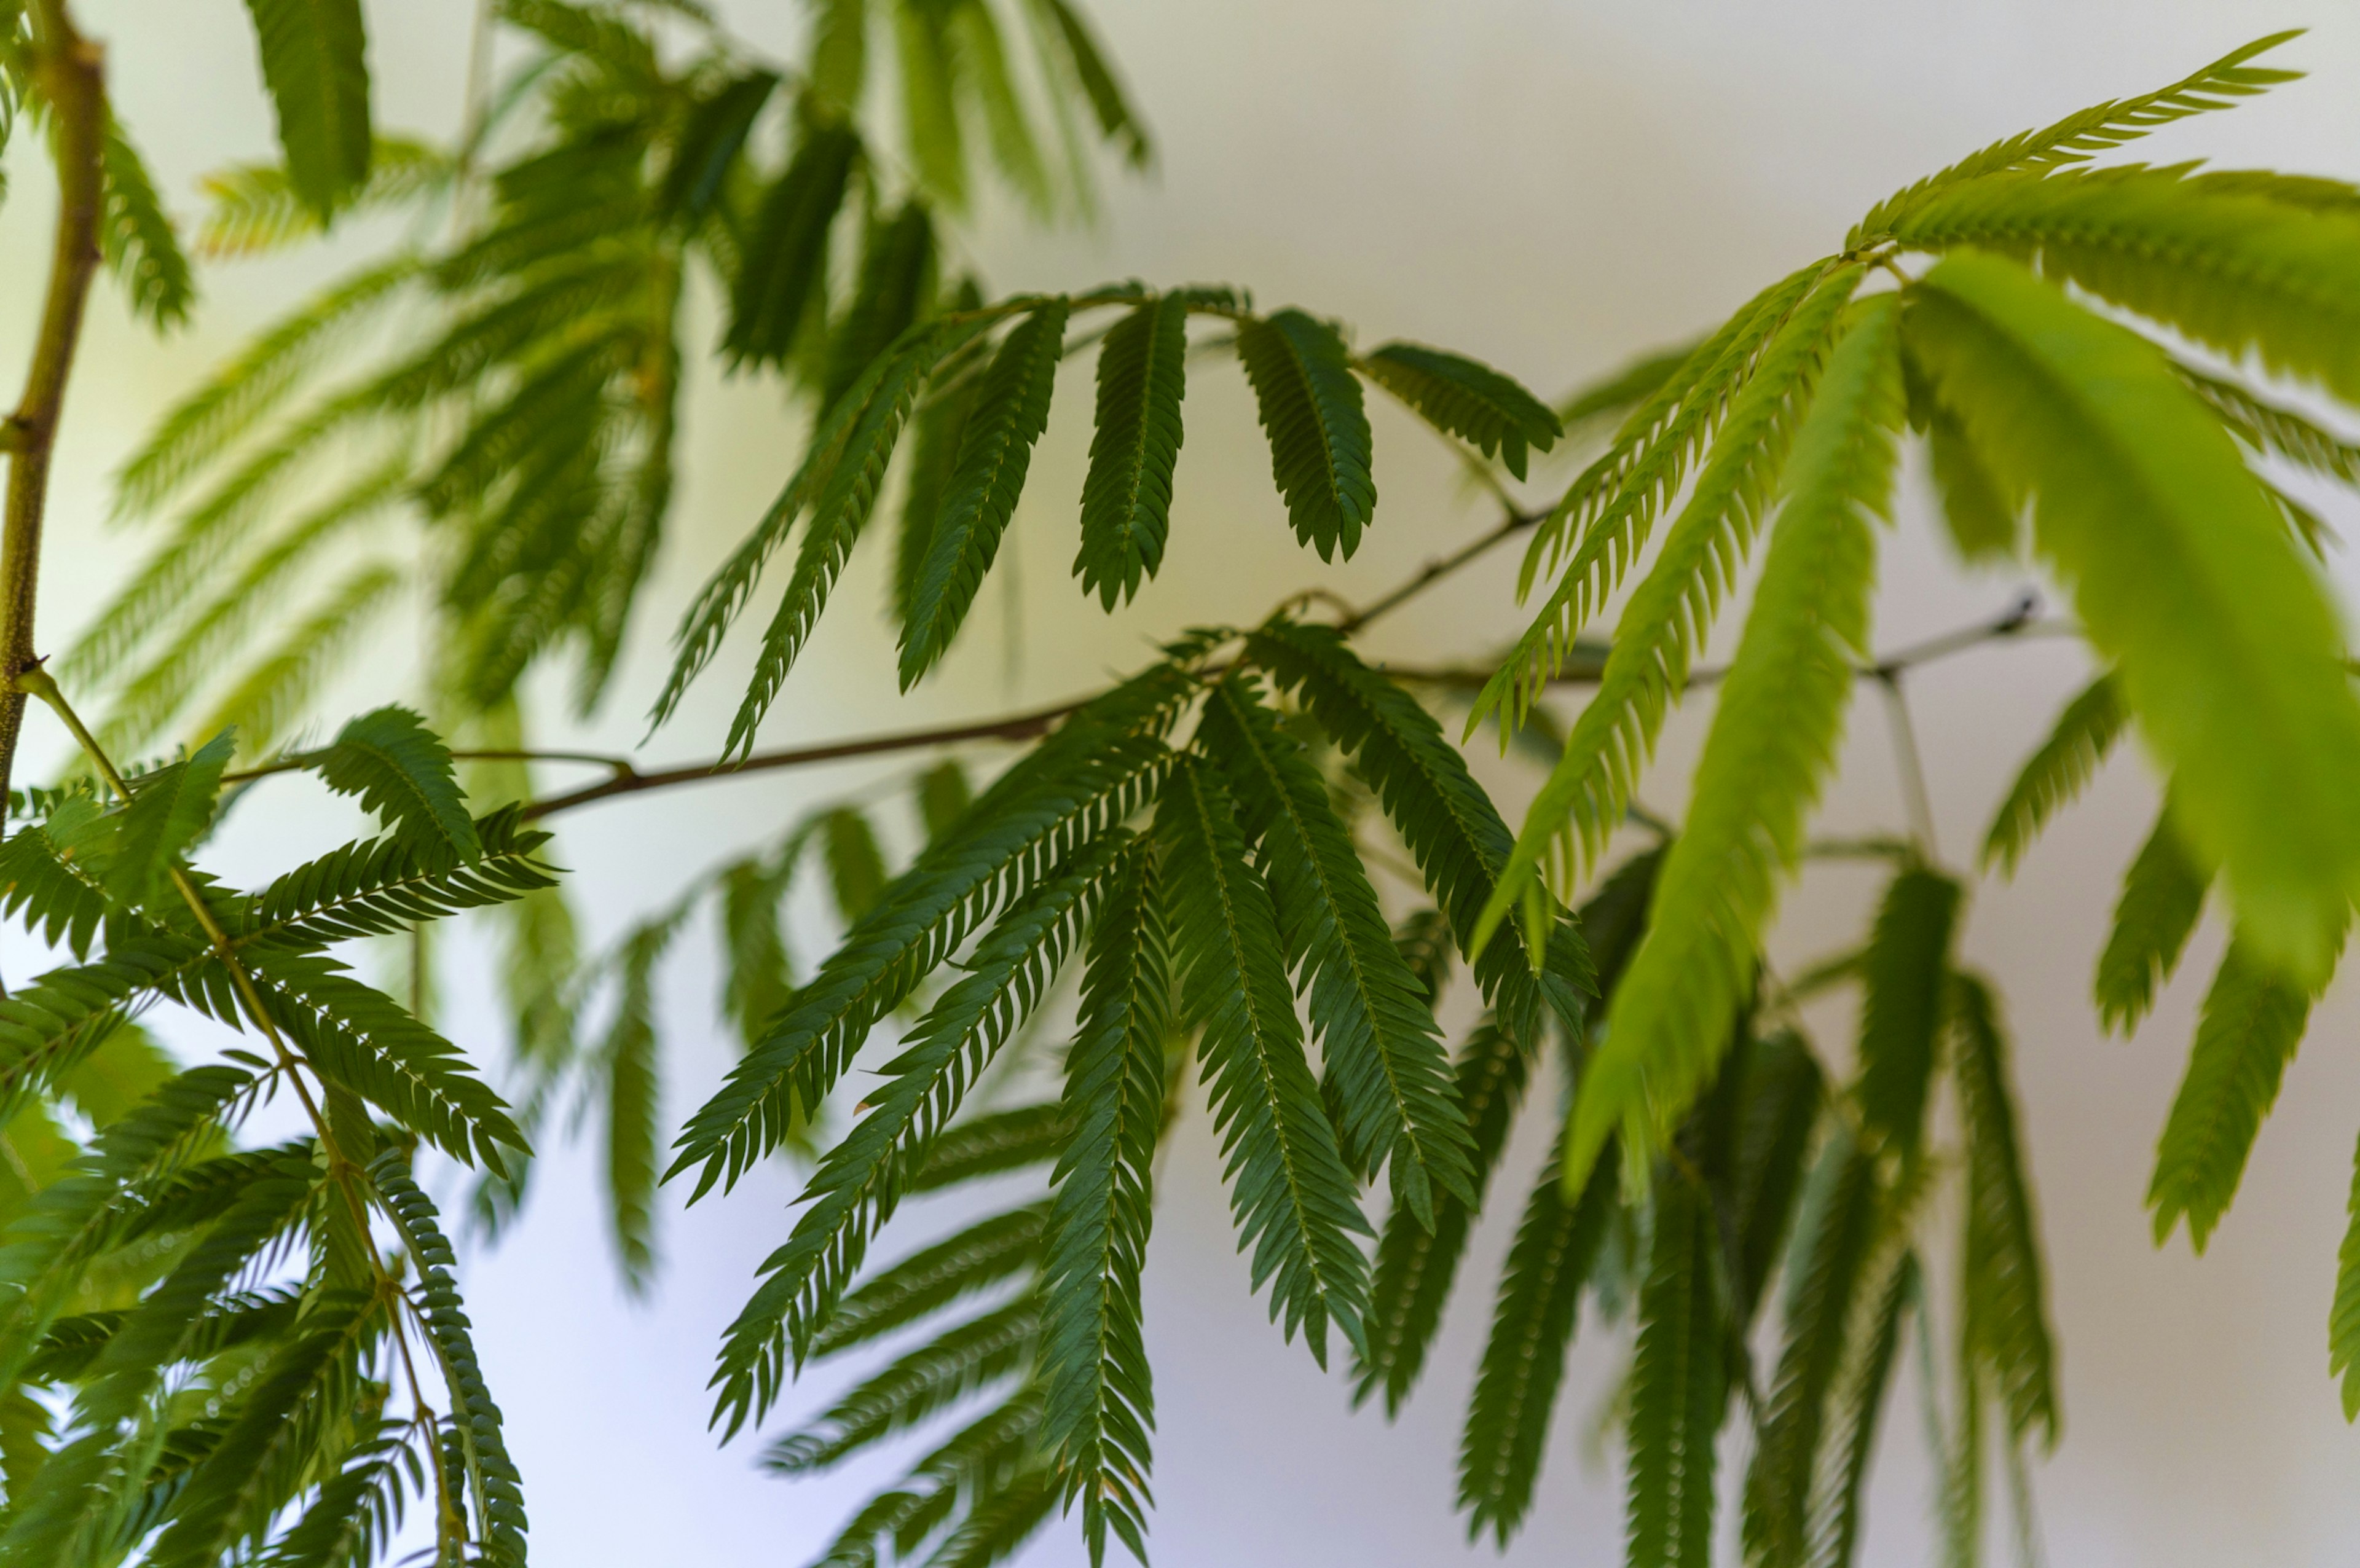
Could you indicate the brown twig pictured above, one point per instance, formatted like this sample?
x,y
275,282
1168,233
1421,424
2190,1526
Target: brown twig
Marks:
x,y
71,76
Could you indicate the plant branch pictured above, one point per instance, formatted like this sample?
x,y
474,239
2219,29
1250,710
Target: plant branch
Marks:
x,y
1435,570
70,70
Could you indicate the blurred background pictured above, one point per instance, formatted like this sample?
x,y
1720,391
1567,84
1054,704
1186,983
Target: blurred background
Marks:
x,y
1553,186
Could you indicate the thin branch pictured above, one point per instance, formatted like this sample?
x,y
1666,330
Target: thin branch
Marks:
x,y
71,76
1435,570
295,762
1907,762
1022,726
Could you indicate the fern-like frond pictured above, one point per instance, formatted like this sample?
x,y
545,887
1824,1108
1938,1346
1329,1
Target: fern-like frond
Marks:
x,y
2144,506
986,1254
1014,837
2251,1022
2076,137
403,773
988,1145
1839,1507
1110,105
1532,1326
1678,1390
2057,772
995,448
1474,402
892,292
1376,1033
1098,1386
1290,1192
1127,496
267,699
1417,1263
1608,512
860,1180
1452,829
169,808
2006,1302
254,207
1772,744
2163,894
135,238
961,1361
2343,1314
1319,441
313,62
1904,979
711,139
1672,610
376,886
786,257
2266,427
493,1487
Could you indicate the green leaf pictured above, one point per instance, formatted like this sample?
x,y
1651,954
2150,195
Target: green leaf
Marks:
x,y
961,1361
988,1145
2266,427
2343,1317
403,773
930,102
995,448
858,1183
1621,390
1291,1195
1532,1325
1319,441
495,1490
1678,1388
313,61
2074,138
1471,401
986,1254
1089,777
710,140
1781,1096
2224,642
2006,1298
1099,1388
1904,975
378,887
1117,121
1376,1032
169,811
1452,830
943,796
1846,464
631,1057
856,865
2163,894
135,238
895,287
1127,498
883,398
1841,1509
785,266
941,424
2251,1021
2061,769
2216,258
1831,1255
306,1382
1416,1262
1613,506
1772,744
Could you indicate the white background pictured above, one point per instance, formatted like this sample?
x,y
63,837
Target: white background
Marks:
x,y
1552,187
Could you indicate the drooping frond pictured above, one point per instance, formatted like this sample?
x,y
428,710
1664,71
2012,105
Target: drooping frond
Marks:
x,y
2059,770
892,292
1679,1388
860,1182
980,499
313,62
376,886
1838,1507
988,1145
1416,1262
1127,496
986,1254
1772,744
403,773
1904,976
2344,1316
2006,1325
2251,1022
1079,51
1474,402
710,141
269,696
1672,611
2266,427
1319,441
1291,1195
135,238
960,1361
1376,1032
2144,506
1607,514
256,209
1032,821
2076,137
2163,893
1532,1327
1099,1388
2231,267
